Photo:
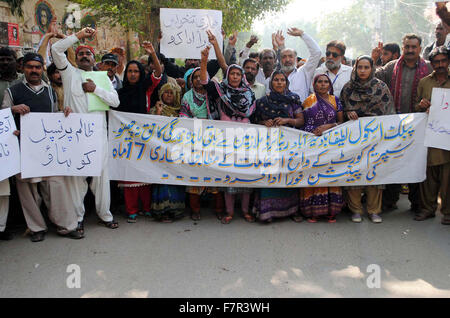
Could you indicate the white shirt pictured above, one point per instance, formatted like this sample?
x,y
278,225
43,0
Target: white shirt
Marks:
x,y
258,89
300,79
341,78
74,96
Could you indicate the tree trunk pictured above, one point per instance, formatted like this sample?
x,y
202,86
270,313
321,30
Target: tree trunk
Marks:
x,y
150,30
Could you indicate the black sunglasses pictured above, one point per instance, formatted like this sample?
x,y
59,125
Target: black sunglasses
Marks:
x,y
332,53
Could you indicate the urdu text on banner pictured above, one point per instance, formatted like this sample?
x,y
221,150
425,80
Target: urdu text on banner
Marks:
x,y
183,151
437,134
184,32
54,145
9,146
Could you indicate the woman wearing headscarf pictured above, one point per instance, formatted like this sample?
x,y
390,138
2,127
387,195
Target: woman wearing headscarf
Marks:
x,y
133,100
230,100
322,111
168,200
280,108
366,96
194,105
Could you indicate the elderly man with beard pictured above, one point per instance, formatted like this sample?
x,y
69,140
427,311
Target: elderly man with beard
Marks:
x,y
75,97
300,79
251,68
403,76
334,68
438,161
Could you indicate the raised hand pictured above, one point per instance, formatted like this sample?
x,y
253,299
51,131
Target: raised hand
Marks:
x,y
148,47
279,38
86,33
205,53
295,32
376,52
211,37
274,41
253,40
233,39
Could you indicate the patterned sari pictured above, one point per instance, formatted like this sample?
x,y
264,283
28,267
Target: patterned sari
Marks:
x,y
327,201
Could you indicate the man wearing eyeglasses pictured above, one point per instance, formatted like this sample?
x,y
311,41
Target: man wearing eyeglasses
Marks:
x,y
338,72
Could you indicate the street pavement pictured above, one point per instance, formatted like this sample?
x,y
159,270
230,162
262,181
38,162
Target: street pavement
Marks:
x,y
209,259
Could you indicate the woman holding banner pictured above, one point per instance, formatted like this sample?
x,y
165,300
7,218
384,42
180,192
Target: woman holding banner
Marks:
x,y
280,108
133,99
322,111
230,100
195,105
168,200
366,96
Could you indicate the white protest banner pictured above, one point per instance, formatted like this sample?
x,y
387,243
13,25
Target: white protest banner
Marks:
x,y
184,32
9,146
183,151
437,133
54,145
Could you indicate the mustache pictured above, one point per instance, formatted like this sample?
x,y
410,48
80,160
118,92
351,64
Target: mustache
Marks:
x,y
84,59
32,74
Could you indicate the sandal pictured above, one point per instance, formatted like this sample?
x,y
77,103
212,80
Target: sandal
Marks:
x,y
312,220
166,219
111,224
422,216
227,219
297,218
132,218
249,218
331,219
80,228
195,216
219,215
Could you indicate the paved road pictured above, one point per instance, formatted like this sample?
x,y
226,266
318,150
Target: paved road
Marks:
x,y
208,259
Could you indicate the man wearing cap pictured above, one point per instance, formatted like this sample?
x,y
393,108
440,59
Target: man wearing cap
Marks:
x,y
75,96
34,95
109,64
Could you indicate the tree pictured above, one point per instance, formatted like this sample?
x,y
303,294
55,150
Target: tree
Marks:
x,y
356,25
143,15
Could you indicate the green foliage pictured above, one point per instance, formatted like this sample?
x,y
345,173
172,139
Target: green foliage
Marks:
x,y
16,6
140,15
356,25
